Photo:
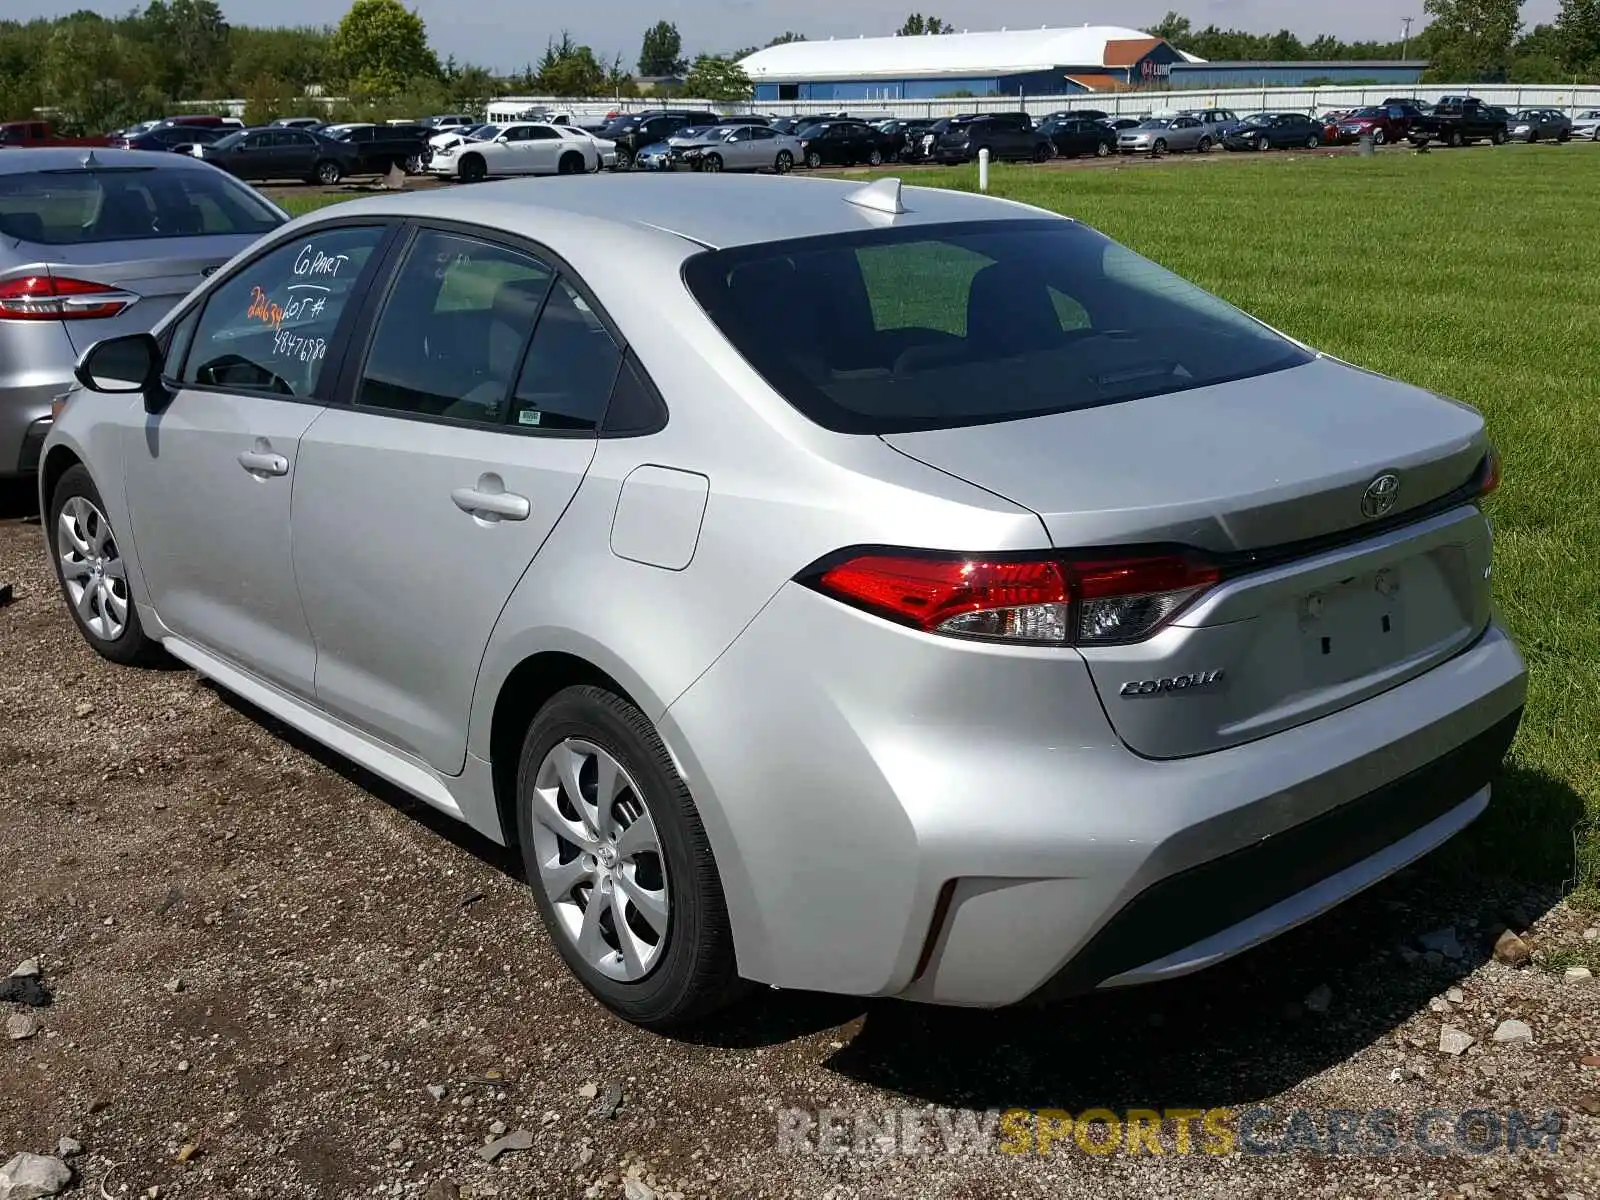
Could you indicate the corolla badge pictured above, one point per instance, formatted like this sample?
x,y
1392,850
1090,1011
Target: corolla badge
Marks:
x,y
1172,683
1381,495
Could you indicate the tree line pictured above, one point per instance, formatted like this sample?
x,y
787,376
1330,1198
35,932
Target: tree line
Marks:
x,y
98,73
1465,41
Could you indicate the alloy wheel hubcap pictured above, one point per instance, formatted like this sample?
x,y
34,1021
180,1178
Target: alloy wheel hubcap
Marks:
x,y
600,861
92,569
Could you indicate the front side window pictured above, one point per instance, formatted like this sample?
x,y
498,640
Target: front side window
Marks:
x,y
452,335
270,326
926,328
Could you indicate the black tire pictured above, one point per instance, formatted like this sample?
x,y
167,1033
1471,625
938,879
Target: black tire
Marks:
x,y
327,172
571,164
624,159
1160,146
1452,138
813,160
130,647
472,169
711,162
1204,147
696,974
1379,137
784,163
1041,152
874,157
1497,138
1314,141
412,165
1101,150
1564,136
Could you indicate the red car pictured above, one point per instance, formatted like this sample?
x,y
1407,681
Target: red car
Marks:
x,y
1385,123
1329,124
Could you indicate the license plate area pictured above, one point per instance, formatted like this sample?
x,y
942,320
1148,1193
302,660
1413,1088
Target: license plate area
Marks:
x,y
1353,627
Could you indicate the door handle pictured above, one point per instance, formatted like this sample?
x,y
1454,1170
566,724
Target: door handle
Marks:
x,y
261,462
501,505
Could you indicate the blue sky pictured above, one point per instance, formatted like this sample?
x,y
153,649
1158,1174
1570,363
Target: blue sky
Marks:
x,y
505,34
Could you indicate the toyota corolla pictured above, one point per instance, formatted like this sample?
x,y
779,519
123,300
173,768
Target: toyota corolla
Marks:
x,y
903,593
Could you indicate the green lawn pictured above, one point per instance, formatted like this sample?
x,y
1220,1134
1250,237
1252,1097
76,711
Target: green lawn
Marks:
x,y
1475,273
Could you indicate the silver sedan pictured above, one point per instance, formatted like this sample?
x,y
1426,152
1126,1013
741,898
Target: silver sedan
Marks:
x,y
1160,135
753,147
820,586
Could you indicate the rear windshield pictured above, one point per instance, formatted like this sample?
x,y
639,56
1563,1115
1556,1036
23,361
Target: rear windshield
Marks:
x,y
938,326
79,207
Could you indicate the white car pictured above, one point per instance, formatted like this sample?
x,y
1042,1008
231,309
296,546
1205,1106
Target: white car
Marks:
x,y
606,148
521,148
1586,125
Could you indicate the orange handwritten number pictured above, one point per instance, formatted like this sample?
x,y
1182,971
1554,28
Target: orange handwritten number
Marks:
x,y
262,309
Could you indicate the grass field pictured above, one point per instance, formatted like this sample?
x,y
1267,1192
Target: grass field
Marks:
x,y
1475,273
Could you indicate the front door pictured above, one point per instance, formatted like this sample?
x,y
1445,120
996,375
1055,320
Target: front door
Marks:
x,y
418,506
209,478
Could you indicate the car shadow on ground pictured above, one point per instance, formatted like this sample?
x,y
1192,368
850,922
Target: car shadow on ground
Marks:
x,y
1230,1036
19,500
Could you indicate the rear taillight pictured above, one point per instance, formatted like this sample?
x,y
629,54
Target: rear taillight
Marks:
x,y
1051,600
1489,473
54,298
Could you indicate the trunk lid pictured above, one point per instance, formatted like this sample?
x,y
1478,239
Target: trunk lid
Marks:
x,y
159,271
1269,475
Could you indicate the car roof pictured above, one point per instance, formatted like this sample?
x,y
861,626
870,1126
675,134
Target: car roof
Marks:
x,y
18,159
720,212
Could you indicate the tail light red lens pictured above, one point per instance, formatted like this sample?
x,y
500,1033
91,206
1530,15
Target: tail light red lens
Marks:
x,y
1491,472
56,298
1041,601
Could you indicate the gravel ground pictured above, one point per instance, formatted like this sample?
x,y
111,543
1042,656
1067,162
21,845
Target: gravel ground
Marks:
x,y
276,977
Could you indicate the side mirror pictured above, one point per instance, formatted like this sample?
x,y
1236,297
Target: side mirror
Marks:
x,y
504,137
121,365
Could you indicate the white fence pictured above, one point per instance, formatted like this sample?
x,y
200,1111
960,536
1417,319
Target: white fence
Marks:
x,y
1307,99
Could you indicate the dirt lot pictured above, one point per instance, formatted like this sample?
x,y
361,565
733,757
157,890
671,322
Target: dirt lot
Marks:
x,y
262,961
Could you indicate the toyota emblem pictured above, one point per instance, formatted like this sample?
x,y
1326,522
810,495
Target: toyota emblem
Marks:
x,y
1380,497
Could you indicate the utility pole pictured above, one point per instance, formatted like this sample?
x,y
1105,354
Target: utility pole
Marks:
x,y
1405,35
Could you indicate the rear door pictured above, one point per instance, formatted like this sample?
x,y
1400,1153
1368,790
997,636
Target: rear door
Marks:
x,y
541,152
419,505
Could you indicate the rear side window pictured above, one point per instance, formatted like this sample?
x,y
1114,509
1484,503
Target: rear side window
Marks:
x,y
935,327
270,326
570,369
453,332
85,206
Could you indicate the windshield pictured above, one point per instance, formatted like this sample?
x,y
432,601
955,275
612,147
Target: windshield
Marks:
x,y
932,327
1155,123
228,141
82,207
1369,112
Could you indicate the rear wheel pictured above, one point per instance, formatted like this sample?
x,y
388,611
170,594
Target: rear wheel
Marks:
x,y
1101,150
619,862
1205,146
1313,141
1564,135
328,172
1453,138
571,164
624,159
784,163
92,573
1041,152
413,165
874,157
1497,137
472,169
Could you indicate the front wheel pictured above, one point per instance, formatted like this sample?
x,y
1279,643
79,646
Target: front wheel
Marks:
x,y
1205,146
570,164
1101,150
1497,137
93,575
1160,147
875,157
1378,137
1263,142
1453,138
784,163
624,160
1313,142
711,162
413,165
1041,153
328,172
619,862
813,160
472,169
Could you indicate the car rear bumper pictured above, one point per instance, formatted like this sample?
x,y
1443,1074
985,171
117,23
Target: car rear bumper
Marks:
x,y
25,417
902,814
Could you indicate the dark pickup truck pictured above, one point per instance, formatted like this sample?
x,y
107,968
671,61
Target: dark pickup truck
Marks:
x,y
1457,121
41,133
